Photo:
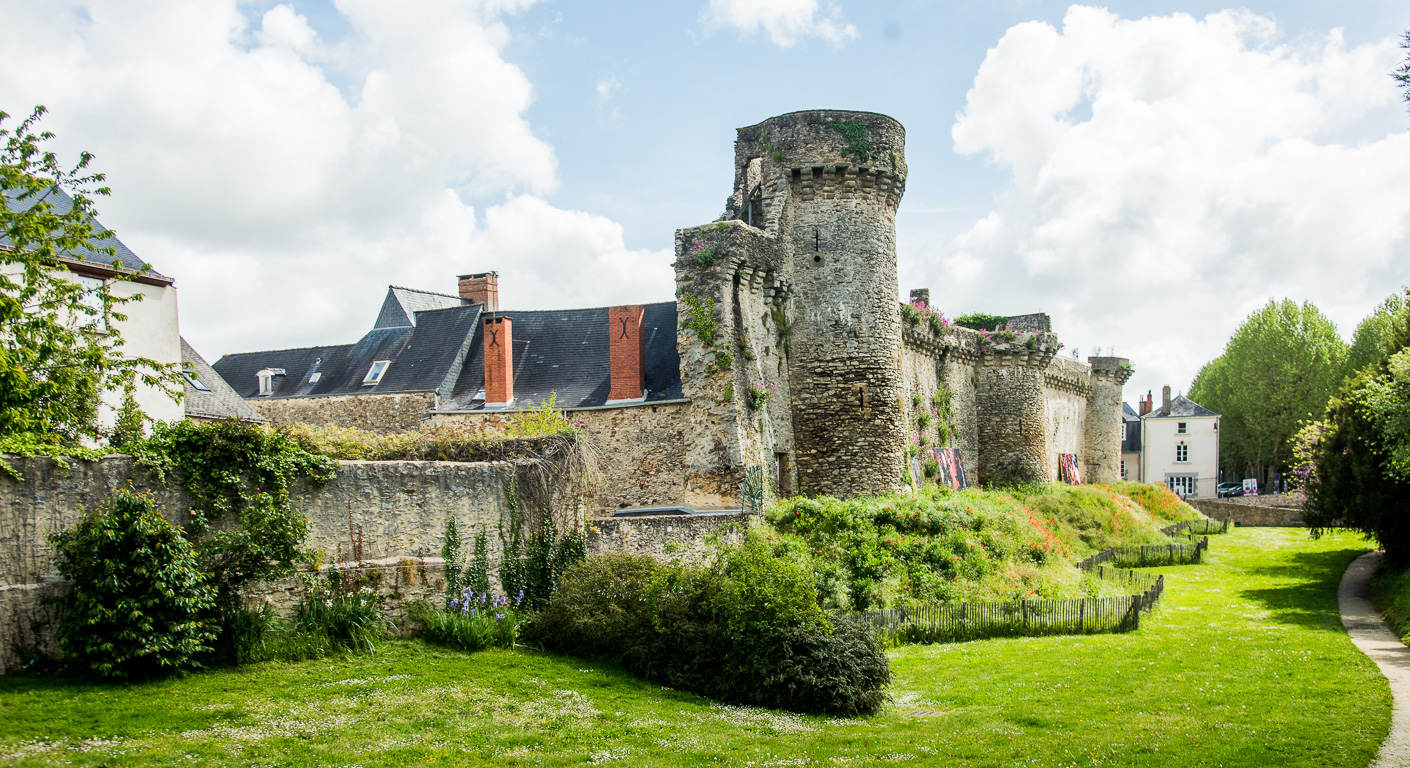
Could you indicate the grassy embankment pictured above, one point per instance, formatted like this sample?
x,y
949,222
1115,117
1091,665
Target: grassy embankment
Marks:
x,y
1243,664
939,546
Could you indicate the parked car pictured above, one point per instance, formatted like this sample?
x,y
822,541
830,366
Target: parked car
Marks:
x,y
1231,489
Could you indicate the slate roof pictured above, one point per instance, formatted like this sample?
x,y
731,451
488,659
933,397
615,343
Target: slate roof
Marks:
x,y
401,305
566,351
1181,407
217,400
62,204
434,344
1130,429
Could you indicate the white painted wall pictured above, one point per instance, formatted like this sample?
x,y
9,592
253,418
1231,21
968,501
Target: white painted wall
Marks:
x,y
151,330
1159,437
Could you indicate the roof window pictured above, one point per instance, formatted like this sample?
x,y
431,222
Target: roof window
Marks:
x,y
193,377
374,374
314,377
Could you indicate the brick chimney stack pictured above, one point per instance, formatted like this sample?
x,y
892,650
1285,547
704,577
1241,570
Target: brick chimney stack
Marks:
x,y
481,288
498,341
627,352
1144,407
1165,400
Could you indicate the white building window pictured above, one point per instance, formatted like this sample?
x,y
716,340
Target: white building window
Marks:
x,y
1180,428
1182,484
374,374
268,380
1123,469
1182,453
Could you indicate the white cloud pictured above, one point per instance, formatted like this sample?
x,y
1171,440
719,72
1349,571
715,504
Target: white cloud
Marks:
x,y
784,21
1171,174
285,181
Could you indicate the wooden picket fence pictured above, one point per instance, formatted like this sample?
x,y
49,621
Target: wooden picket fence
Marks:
x,y
957,622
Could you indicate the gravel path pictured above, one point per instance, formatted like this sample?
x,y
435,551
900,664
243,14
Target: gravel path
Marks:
x,y
1370,634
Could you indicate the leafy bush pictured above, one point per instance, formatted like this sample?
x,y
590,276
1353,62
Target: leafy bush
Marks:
x,y
980,321
139,602
746,629
474,620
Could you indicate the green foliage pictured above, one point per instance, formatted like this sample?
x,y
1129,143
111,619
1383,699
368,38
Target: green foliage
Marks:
x,y
473,623
1390,590
1278,370
525,433
937,324
477,575
534,560
745,629
1372,339
1353,462
939,546
239,472
855,135
705,254
342,613
454,558
724,361
55,447
777,156
757,395
130,425
59,345
700,317
910,314
139,600
980,321
922,420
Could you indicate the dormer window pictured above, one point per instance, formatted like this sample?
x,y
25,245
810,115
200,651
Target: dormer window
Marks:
x,y
269,379
374,374
193,378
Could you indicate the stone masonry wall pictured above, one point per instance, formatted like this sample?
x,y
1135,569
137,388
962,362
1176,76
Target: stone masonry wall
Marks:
x,y
394,512
1250,514
1104,424
1009,400
1065,392
641,455
687,537
383,414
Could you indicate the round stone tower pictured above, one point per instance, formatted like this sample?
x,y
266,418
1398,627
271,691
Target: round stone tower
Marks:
x,y
826,184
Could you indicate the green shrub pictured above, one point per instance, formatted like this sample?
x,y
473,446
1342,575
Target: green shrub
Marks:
x,y
139,604
344,610
474,620
980,321
746,629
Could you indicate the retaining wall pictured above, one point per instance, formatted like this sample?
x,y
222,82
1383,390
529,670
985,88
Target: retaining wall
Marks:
x,y
1249,513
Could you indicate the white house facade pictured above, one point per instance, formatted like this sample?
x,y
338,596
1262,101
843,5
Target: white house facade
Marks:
x,y
1180,447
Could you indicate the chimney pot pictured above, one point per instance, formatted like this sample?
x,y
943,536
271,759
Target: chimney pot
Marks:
x,y
498,346
627,353
481,288
1145,405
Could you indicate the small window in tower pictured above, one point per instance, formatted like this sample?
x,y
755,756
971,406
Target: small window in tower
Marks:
x,y
374,374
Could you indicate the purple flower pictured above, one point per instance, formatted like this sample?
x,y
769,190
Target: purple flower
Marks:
x,y
498,616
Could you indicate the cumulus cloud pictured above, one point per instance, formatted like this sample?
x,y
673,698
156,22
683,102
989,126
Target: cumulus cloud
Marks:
x,y
784,21
1171,174
285,180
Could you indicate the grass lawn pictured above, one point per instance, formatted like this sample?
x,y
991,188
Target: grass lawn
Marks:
x,y
1244,663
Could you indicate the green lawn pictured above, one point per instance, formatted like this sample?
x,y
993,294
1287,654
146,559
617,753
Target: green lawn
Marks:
x,y
1243,663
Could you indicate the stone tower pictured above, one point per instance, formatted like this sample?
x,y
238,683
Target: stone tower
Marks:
x,y
826,185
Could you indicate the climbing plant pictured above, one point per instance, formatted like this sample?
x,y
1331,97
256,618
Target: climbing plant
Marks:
x,y
700,317
857,144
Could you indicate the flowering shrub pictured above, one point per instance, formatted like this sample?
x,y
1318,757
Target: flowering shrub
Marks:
x,y
703,253
758,394
472,621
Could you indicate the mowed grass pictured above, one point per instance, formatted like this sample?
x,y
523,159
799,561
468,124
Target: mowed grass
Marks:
x,y
1243,664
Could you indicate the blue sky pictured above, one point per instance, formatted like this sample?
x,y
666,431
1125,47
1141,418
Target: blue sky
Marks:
x,y
1147,173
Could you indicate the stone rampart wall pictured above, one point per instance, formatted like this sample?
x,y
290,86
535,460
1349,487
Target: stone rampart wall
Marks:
x,y
383,414
687,537
1255,515
641,454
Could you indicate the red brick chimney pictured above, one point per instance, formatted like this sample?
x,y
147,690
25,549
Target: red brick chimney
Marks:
x,y
481,288
499,361
627,353
1145,405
